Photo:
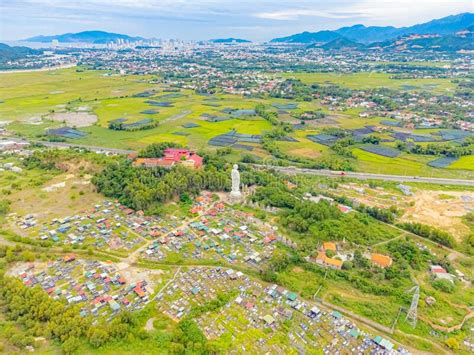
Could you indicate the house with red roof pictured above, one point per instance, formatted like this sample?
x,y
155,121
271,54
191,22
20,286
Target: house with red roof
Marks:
x,y
171,157
69,258
139,291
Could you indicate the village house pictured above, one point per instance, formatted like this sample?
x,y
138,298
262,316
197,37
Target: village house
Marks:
x,y
329,246
323,260
380,260
172,156
13,145
440,273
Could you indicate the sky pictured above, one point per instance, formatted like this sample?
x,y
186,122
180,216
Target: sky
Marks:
x,y
257,20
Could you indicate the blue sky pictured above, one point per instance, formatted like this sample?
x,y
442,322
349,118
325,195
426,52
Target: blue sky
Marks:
x,y
203,19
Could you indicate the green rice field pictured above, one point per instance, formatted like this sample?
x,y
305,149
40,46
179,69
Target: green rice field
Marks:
x,y
30,102
374,80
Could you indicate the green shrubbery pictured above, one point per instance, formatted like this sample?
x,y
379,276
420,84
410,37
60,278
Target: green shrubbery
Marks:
x,y
431,233
444,286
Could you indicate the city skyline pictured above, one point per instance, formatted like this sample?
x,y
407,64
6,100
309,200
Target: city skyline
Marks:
x,y
206,19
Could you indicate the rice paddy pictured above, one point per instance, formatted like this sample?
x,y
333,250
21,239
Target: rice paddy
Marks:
x,y
365,80
87,101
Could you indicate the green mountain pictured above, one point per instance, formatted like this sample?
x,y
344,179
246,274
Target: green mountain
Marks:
x,y
359,33
94,37
8,53
443,26
309,37
448,43
341,43
363,34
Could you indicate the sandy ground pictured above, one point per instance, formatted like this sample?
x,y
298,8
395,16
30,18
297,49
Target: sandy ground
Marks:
x,y
20,267
133,274
441,209
75,119
54,199
431,208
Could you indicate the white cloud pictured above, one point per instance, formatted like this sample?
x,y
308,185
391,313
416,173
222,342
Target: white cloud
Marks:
x,y
210,18
295,14
398,13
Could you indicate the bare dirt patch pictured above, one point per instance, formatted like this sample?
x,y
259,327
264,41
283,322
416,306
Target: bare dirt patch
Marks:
x,y
178,116
74,119
433,208
149,324
64,195
298,270
441,209
133,274
16,269
327,121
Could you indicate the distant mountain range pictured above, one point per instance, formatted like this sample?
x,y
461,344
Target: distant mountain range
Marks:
x,y
462,41
308,37
359,33
449,43
338,44
448,31
8,53
93,37
230,40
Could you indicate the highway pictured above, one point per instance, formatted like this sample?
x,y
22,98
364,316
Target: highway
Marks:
x,y
368,176
73,145
289,169
89,147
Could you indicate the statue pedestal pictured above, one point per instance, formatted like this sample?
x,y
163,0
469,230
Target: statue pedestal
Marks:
x,y
235,197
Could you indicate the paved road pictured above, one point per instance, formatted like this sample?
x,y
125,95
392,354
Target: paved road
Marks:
x,y
369,176
73,145
90,147
289,169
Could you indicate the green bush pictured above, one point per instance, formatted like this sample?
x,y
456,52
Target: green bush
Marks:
x,y
444,286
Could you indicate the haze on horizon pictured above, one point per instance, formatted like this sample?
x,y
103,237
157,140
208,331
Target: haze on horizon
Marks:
x,y
204,19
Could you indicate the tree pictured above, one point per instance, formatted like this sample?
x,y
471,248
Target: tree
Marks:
x,y
347,265
452,343
371,139
156,150
97,336
70,345
330,253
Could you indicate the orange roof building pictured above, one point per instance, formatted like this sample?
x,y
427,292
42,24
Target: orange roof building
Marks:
x,y
330,262
69,258
381,260
171,157
329,246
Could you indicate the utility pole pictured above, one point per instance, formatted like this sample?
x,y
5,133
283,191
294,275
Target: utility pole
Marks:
x,y
412,314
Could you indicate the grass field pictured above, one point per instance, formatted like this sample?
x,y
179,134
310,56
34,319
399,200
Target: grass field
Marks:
x,y
374,80
405,164
466,163
34,94
109,97
414,63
